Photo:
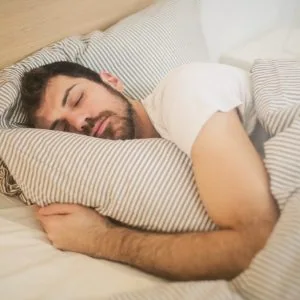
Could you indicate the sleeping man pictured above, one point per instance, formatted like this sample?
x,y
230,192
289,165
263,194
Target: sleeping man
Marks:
x,y
196,107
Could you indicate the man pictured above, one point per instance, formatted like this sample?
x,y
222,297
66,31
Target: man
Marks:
x,y
195,106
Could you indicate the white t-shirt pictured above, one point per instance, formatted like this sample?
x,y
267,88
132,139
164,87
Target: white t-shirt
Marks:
x,y
190,95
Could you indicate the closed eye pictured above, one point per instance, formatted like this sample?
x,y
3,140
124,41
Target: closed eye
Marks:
x,y
79,99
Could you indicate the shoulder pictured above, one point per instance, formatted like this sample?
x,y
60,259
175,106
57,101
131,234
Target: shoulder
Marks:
x,y
205,83
201,77
189,96
211,81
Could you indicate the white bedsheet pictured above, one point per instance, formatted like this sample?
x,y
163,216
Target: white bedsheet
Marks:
x,y
31,268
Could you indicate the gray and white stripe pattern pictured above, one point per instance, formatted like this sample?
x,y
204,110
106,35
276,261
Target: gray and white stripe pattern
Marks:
x,y
277,100
154,191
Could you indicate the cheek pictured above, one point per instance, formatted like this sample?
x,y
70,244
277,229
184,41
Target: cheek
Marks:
x,y
92,105
41,119
96,99
99,100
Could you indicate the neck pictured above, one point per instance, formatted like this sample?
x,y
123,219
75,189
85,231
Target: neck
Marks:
x,y
143,124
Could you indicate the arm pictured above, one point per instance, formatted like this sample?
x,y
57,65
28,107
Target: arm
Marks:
x,y
234,188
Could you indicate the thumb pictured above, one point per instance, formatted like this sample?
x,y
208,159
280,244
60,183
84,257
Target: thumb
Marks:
x,y
58,209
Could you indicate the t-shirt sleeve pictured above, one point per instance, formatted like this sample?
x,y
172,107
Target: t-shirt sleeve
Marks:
x,y
193,94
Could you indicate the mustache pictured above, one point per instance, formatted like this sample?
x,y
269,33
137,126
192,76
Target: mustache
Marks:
x,y
90,122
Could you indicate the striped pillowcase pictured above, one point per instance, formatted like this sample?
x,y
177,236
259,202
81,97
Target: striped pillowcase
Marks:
x,y
146,183
110,176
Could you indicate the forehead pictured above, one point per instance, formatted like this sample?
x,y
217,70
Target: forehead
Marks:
x,y
58,85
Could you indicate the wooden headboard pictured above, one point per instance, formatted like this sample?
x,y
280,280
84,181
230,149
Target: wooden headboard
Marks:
x,y
29,25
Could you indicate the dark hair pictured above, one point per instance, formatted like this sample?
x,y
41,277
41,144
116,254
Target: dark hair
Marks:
x,y
34,83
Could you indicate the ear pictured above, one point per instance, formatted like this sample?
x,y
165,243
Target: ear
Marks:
x,y
112,80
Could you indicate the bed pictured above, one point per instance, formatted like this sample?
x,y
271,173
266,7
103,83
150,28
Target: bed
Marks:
x,y
31,268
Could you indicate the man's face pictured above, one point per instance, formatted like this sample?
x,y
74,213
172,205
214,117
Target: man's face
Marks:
x,y
82,106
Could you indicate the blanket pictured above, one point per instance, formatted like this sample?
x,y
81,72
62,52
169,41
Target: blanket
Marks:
x,y
275,271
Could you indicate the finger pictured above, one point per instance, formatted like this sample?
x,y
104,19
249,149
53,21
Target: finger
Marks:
x,y
35,208
50,221
58,209
43,221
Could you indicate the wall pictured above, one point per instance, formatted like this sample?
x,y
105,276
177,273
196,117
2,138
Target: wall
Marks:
x,y
229,23
26,26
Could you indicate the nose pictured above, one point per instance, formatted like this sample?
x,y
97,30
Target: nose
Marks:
x,y
77,123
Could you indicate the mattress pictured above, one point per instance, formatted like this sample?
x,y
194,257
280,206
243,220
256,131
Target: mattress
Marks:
x,y
31,268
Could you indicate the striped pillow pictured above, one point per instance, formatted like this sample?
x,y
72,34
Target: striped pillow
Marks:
x,y
146,183
111,176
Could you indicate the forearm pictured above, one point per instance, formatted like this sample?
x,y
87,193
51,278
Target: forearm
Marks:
x,y
211,255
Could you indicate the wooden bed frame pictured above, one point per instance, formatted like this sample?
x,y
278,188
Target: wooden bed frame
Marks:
x,y
29,25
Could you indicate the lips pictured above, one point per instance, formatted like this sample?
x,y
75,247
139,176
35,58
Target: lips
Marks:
x,y
100,127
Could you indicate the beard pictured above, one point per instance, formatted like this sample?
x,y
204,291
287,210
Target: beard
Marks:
x,y
120,127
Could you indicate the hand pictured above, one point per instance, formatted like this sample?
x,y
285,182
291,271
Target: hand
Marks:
x,y
74,228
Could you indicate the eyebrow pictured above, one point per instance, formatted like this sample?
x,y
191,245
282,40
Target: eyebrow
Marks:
x,y
63,103
67,92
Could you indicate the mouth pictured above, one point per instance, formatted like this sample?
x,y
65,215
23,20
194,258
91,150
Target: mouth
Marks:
x,y
100,127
